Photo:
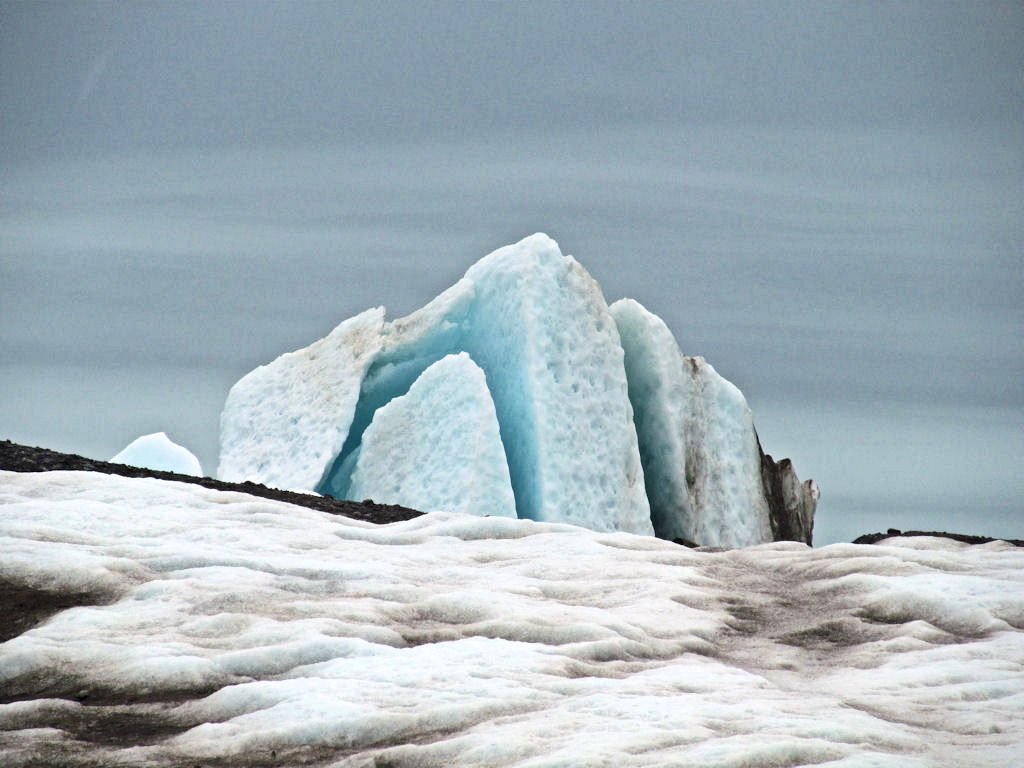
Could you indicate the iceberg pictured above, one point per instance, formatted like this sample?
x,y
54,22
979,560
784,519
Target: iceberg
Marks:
x,y
159,452
601,422
457,463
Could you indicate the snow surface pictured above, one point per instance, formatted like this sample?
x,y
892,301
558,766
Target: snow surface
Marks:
x,y
537,325
158,451
701,460
410,456
260,633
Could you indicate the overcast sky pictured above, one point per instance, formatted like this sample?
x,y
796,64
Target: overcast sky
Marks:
x,y
84,77
826,200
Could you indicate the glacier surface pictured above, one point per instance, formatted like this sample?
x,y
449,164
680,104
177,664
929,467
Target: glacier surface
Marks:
x,y
572,383
179,625
158,451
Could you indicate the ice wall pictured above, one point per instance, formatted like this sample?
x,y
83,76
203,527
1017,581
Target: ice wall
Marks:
x,y
723,462
659,391
285,422
401,351
542,331
411,457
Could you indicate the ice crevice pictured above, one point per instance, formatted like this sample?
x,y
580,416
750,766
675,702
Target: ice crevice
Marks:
x,y
407,349
602,422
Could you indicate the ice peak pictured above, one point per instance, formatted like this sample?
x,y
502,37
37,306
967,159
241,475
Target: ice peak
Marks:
x,y
158,451
535,248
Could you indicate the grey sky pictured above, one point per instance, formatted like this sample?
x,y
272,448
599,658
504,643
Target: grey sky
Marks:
x,y
84,76
825,200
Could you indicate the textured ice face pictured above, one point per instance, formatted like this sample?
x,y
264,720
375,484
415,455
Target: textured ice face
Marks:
x,y
238,632
437,446
284,422
404,349
543,334
157,451
659,390
723,462
701,459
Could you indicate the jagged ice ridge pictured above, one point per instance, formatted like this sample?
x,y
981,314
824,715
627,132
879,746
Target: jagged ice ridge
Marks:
x,y
598,419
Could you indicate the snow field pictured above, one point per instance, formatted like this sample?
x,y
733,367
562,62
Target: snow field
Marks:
x,y
250,627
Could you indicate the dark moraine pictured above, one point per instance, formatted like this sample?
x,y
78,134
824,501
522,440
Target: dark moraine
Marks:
x,y
15,457
23,458
874,538
115,719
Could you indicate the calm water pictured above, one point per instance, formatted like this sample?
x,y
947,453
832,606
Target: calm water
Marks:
x,y
864,290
